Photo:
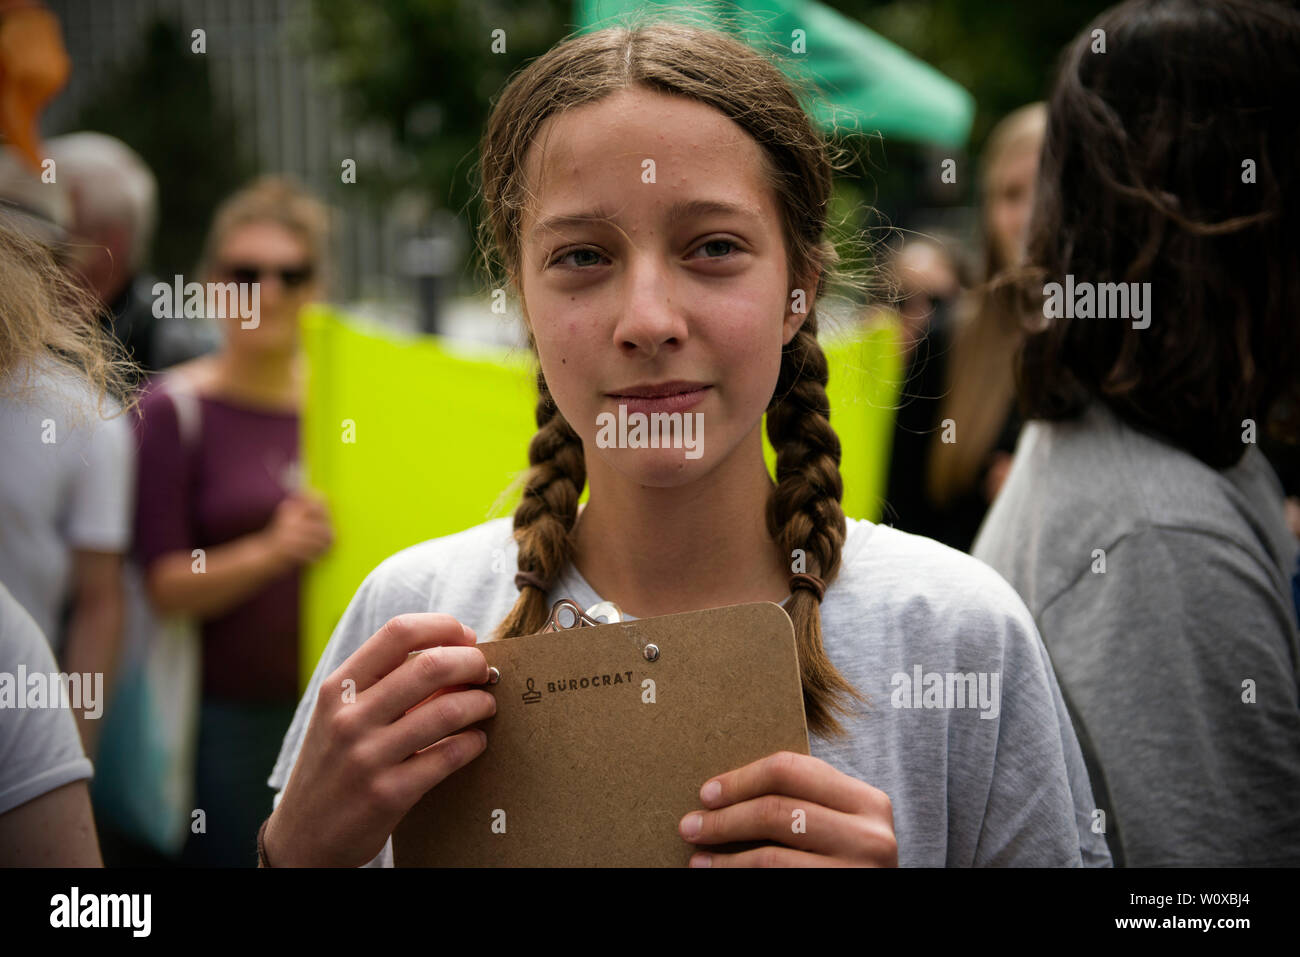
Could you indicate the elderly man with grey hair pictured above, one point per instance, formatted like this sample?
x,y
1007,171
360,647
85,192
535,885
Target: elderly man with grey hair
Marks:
x,y
115,211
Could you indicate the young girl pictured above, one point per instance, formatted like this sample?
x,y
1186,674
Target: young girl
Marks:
x,y
658,199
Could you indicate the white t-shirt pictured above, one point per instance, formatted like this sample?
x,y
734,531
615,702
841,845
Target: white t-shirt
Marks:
x,y
967,790
66,482
40,747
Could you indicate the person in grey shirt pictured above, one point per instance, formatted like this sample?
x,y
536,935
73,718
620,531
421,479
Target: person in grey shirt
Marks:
x,y
999,782
45,815
1140,522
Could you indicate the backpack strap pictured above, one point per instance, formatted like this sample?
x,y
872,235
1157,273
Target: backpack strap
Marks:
x,y
188,411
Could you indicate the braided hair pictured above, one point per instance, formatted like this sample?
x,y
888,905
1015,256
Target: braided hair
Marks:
x,y
804,515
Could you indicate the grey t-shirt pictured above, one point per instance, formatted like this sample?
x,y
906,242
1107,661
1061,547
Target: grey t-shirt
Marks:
x,y
998,783
1161,588
40,746
66,483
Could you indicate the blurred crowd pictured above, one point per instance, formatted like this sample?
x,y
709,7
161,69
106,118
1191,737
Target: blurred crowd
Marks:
x,y
178,443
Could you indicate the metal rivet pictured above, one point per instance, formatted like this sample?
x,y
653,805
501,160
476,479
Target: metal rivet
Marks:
x,y
493,675
651,652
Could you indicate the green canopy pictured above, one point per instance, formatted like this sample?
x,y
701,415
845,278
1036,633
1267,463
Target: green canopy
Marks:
x,y
865,83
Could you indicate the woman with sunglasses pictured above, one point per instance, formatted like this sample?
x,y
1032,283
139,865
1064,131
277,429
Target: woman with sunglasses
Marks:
x,y
219,472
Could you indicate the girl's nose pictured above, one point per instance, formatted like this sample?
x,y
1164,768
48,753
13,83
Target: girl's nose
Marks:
x,y
650,317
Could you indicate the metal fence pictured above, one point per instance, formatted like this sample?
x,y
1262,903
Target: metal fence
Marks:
x,y
294,120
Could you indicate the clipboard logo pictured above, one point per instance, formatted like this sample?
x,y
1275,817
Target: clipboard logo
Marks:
x,y
567,614
585,683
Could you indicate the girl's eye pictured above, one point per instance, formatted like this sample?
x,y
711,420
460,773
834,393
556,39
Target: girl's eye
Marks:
x,y
577,252
727,245
715,243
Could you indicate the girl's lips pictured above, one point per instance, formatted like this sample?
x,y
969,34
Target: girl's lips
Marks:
x,y
646,405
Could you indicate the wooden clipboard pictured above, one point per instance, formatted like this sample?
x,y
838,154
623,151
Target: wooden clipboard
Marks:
x,y
596,752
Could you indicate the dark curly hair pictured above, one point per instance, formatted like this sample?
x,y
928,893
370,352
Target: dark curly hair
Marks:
x,y
1144,178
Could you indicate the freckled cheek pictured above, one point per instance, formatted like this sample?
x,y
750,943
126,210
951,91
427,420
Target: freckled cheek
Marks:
x,y
570,371
562,343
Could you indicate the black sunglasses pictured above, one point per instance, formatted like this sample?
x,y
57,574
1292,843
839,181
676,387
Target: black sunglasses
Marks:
x,y
290,276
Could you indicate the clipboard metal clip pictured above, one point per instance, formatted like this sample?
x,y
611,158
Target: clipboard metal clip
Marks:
x,y
567,614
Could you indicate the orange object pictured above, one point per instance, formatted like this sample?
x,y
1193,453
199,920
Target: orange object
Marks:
x,y
33,67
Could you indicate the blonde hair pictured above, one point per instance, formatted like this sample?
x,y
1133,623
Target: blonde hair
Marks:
x,y
275,199
803,511
981,387
51,325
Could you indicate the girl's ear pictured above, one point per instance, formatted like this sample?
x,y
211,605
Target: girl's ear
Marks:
x,y
798,306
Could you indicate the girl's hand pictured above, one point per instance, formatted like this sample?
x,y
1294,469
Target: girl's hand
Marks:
x,y
385,730
843,822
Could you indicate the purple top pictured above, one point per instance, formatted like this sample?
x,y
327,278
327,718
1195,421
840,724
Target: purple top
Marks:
x,y
242,465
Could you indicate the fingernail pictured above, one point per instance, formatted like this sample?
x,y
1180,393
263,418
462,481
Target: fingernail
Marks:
x,y
701,860
469,633
483,735
692,824
711,791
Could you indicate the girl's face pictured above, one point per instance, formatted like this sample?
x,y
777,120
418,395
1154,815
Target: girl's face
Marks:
x,y
280,263
653,274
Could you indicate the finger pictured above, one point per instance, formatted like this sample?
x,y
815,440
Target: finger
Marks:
x,y
794,822
765,857
319,541
305,541
799,776
420,676
449,689
387,648
445,716
308,550
419,773
314,508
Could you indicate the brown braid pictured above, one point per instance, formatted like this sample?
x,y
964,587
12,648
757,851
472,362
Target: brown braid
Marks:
x,y
804,512
546,515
